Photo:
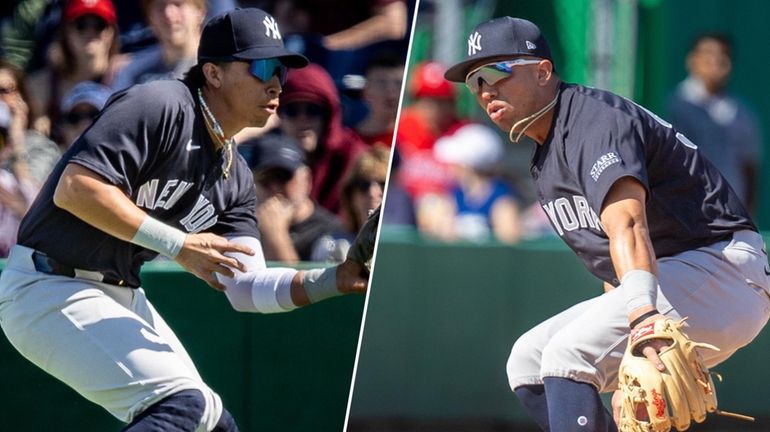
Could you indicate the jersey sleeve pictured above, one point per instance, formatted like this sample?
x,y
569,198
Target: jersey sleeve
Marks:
x,y
134,128
613,149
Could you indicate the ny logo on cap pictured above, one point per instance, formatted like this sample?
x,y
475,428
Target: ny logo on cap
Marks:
x,y
474,43
271,27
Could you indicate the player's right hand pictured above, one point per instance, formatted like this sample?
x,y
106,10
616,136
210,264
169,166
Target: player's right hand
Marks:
x,y
352,277
203,255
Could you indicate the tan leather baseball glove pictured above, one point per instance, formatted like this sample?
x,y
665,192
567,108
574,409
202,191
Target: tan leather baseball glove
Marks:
x,y
655,400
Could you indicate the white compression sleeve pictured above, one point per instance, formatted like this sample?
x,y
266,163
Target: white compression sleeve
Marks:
x,y
259,289
155,235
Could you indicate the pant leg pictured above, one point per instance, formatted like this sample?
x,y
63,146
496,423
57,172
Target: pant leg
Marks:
x,y
722,289
524,365
86,335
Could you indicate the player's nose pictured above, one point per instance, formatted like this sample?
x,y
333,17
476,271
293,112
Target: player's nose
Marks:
x,y
487,93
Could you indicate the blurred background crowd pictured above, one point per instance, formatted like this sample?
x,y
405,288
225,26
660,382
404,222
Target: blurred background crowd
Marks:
x,y
320,165
465,182
323,161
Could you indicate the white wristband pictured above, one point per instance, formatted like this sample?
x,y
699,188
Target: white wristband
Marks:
x,y
320,284
640,288
155,235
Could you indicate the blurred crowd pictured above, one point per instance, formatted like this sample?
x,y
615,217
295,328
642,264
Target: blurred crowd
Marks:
x,y
462,182
455,178
320,164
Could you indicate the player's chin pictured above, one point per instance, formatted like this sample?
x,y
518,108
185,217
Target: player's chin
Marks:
x,y
260,119
502,123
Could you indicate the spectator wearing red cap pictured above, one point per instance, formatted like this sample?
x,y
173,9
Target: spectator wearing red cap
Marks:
x,y
430,116
86,49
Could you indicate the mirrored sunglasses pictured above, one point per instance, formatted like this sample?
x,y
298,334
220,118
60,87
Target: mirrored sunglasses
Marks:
x,y
493,73
265,69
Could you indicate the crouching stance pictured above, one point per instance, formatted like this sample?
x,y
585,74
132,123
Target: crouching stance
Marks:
x,y
643,209
156,174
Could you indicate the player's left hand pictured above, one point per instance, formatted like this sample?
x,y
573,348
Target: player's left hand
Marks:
x,y
352,277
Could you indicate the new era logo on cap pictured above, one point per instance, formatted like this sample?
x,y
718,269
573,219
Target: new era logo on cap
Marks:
x,y
531,45
474,43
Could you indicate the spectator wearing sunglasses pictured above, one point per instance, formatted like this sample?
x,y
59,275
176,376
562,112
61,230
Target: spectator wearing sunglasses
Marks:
x,y
290,222
311,113
79,108
177,26
156,174
362,191
86,49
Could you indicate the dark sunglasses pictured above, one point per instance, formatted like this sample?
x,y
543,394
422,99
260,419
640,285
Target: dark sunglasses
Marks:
x,y
76,117
492,73
296,109
90,22
363,185
265,69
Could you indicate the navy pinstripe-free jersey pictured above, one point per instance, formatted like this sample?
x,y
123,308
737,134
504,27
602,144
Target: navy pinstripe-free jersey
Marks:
x,y
597,138
150,141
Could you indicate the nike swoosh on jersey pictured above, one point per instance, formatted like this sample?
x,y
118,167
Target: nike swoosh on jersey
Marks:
x,y
191,147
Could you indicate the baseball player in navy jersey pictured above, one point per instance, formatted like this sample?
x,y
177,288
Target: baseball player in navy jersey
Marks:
x,y
639,205
156,173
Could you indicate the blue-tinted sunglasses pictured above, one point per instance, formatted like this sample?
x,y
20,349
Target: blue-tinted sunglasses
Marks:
x,y
492,73
265,69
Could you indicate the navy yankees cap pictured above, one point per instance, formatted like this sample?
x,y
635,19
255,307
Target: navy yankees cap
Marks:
x,y
505,36
245,34
277,151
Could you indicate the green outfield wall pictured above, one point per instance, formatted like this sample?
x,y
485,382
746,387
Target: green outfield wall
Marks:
x,y
442,319
280,372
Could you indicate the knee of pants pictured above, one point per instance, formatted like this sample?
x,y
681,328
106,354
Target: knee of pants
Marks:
x,y
559,358
523,366
196,410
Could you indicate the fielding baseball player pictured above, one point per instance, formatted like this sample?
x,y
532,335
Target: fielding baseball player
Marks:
x,y
156,174
647,214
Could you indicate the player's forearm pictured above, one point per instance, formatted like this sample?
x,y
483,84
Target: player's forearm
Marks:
x,y
89,197
389,22
624,220
631,249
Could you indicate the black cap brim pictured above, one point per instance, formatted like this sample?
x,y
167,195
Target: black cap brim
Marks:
x,y
288,58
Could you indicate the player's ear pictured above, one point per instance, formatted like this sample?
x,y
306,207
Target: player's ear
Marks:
x,y
213,74
544,71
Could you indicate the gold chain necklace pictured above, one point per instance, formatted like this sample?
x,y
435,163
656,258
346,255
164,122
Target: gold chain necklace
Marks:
x,y
215,129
